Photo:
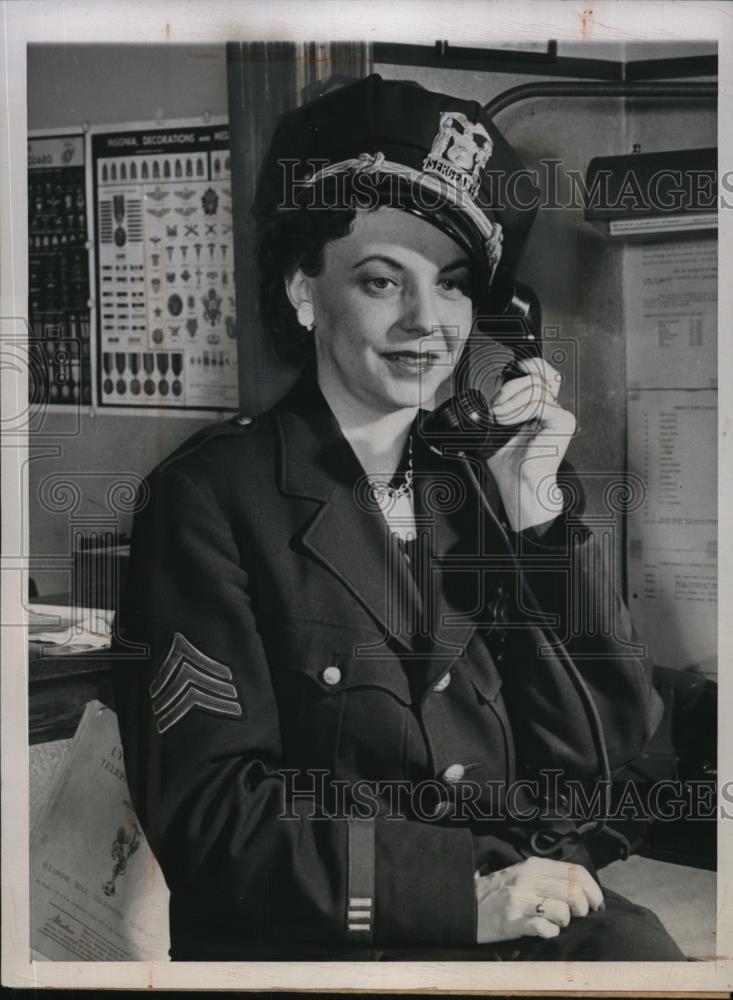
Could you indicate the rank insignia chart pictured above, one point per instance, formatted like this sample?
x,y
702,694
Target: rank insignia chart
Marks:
x,y
165,268
58,300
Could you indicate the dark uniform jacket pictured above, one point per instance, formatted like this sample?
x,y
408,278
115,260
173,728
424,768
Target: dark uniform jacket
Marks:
x,y
279,649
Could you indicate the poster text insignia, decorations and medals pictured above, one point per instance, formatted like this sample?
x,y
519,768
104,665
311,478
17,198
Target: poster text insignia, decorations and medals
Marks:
x,y
158,196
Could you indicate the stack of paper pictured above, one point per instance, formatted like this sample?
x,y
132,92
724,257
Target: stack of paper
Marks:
x,y
74,628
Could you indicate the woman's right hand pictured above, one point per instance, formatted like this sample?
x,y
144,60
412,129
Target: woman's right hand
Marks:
x,y
508,899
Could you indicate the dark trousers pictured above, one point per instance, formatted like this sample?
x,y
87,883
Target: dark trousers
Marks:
x,y
623,932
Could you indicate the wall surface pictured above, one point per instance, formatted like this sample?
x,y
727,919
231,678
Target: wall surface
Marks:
x,y
110,84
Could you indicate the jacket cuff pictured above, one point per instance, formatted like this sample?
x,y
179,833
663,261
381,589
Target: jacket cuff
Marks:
x,y
424,885
491,853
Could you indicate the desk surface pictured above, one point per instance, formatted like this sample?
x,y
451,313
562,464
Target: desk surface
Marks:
x,y
683,898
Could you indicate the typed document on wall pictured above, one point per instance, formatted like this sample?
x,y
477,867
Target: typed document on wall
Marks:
x,y
671,340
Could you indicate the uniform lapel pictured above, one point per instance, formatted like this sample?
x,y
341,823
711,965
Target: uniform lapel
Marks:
x,y
347,532
460,565
448,588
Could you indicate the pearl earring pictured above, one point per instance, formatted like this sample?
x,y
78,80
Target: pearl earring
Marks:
x,y
305,315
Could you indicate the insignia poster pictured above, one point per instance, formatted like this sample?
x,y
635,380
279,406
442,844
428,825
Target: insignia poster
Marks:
x,y
164,304
58,276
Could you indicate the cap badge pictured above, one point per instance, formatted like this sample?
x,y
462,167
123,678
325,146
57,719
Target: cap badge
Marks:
x,y
460,150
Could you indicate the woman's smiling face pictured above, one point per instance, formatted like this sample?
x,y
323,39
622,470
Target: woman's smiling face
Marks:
x,y
392,310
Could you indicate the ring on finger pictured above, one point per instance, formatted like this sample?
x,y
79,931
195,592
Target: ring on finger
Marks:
x,y
553,910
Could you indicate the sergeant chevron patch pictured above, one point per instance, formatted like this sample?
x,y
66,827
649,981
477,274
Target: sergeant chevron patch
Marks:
x,y
189,679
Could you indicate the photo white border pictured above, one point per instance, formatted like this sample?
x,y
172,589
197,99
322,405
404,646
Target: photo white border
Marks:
x,y
462,22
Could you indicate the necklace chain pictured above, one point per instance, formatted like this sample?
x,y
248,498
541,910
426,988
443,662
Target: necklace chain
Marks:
x,y
386,492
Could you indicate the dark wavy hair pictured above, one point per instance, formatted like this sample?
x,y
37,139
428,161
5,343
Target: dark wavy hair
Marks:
x,y
288,240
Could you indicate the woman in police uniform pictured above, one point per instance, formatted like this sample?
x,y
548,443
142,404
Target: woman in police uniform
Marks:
x,y
330,647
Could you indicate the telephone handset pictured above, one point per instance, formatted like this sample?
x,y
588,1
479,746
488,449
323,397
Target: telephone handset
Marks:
x,y
464,423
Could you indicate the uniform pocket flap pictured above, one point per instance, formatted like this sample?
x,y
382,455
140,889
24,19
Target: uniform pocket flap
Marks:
x,y
339,660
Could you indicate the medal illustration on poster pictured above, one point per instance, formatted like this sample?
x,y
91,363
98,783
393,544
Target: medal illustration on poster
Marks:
x,y
58,273
165,268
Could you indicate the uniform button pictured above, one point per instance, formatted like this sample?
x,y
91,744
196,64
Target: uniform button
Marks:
x,y
499,658
442,810
241,421
442,683
562,801
453,773
331,676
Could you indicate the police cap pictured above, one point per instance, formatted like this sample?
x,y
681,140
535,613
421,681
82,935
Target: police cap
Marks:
x,y
437,156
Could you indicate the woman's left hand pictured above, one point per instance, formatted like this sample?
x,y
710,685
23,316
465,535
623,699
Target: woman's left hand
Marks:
x,y
525,468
